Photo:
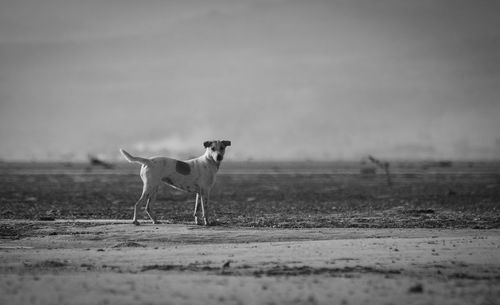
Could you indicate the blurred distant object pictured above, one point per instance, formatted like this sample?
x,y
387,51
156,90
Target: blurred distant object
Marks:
x,y
368,171
383,165
95,161
440,164
444,163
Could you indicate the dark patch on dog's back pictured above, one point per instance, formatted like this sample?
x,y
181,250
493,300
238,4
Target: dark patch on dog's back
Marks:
x,y
182,168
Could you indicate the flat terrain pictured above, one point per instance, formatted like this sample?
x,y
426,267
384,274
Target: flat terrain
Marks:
x,y
317,233
110,262
277,195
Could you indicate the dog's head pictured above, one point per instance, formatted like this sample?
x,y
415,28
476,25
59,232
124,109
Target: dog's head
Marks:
x,y
216,149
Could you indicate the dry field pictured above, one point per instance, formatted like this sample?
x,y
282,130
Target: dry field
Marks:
x,y
283,233
277,195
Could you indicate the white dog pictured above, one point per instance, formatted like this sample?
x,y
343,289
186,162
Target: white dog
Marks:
x,y
194,176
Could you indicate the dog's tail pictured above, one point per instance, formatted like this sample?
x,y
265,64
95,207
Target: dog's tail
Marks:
x,y
133,159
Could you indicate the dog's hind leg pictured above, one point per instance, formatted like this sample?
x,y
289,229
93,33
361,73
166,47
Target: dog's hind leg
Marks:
x,y
196,209
149,203
147,191
139,203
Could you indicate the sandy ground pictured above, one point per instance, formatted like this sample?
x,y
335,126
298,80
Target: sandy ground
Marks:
x,y
113,262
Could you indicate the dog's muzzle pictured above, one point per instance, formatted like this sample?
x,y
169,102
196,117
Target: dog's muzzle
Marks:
x,y
219,158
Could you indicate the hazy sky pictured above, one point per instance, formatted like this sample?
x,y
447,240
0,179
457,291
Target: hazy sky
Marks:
x,y
281,79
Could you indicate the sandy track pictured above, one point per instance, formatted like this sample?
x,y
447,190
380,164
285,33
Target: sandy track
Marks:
x,y
109,262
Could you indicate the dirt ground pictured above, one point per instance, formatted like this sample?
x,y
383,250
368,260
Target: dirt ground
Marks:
x,y
268,195
114,262
284,233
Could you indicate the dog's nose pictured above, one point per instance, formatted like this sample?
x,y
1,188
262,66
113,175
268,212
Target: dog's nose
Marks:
x,y
219,158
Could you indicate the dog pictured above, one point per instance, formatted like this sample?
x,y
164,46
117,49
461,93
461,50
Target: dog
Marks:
x,y
193,176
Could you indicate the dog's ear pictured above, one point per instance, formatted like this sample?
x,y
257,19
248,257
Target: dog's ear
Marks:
x,y
207,144
226,143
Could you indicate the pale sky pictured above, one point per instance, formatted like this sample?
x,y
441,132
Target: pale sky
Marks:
x,y
281,79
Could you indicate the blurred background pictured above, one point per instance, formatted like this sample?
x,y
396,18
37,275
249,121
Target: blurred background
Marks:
x,y
281,79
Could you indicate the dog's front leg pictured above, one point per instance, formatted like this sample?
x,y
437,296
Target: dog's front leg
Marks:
x,y
196,209
205,197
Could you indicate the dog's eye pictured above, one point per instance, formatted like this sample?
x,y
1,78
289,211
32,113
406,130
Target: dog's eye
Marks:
x,y
213,148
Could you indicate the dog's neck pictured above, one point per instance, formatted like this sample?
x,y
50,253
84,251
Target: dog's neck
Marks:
x,y
211,160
